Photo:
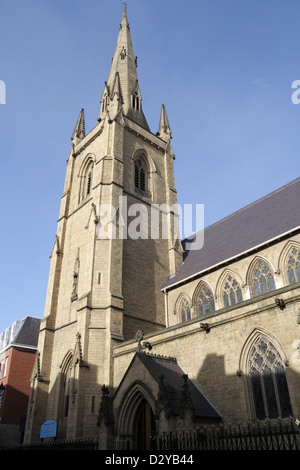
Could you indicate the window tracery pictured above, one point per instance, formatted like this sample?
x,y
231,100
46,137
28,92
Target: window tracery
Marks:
x,y
267,378
232,293
262,279
204,300
184,310
293,265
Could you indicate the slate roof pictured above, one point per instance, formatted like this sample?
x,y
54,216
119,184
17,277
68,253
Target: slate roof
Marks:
x,y
23,333
256,224
28,334
173,380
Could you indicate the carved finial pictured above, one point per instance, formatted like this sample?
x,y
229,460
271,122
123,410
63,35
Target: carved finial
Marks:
x,y
105,391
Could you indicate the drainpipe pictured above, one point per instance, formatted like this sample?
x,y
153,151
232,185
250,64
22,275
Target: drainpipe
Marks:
x,y
166,309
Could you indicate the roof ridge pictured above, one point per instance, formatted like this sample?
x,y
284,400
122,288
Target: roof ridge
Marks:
x,y
246,206
159,356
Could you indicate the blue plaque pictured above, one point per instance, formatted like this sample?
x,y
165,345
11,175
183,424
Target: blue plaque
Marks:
x,y
48,429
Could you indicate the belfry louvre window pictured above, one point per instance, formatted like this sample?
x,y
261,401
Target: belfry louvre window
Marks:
x,y
135,102
89,182
293,268
267,380
140,176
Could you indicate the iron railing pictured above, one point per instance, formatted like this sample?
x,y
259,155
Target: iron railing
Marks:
x,y
57,444
279,435
268,435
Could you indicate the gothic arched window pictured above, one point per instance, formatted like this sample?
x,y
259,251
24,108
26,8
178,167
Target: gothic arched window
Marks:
x,y
232,293
204,299
67,393
66,383
293,265
86,179
184,310
261,279
135,101
267,379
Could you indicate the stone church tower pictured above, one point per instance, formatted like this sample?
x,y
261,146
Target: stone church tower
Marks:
x,y
102,289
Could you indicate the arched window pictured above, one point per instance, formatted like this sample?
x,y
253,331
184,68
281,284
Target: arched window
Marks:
x,y
261,278
140,175
67,393
135,101
86,179
232,293
267,380
184,310
293,265
66,384
203,300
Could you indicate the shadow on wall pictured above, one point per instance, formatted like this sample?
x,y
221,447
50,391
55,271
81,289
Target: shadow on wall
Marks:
x,y
266,391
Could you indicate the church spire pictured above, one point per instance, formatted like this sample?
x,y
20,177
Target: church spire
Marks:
x,y
123,72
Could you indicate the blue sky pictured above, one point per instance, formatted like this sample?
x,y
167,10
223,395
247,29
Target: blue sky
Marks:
x,y
223,69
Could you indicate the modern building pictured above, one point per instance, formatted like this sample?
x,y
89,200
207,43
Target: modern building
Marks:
x,y
18,345
143,333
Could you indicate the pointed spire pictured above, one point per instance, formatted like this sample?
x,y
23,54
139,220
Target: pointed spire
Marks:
x,y
123,73
79,131
164,130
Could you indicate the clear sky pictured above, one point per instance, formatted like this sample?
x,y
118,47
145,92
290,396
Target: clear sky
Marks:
x,y
223,69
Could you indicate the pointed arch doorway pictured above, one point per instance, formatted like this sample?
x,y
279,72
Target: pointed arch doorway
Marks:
x,y
144,427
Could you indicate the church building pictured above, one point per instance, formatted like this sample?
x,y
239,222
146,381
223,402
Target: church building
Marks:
x,y
143,333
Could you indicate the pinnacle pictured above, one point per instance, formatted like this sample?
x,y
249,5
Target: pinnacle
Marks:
x,y
164,130
79,131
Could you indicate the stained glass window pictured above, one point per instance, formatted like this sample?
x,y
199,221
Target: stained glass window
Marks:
x,y
293,265
268,383
263,280
205,300
232,293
